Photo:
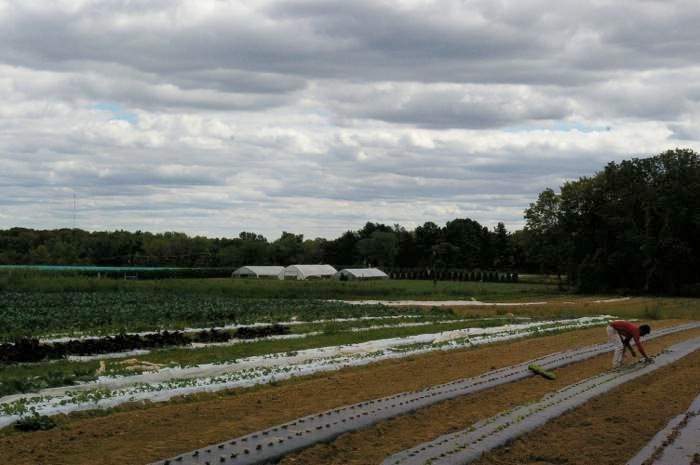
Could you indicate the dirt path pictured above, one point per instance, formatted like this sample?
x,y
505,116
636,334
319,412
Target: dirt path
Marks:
x,y
139,435
606,430
373,445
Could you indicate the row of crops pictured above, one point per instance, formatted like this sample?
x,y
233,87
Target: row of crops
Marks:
x,y
255,368
26,350
32,314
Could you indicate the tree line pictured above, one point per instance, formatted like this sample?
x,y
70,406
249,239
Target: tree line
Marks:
x,y
634,226
461,243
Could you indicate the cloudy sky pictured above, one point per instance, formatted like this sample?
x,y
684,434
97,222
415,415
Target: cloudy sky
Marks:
x,y
217,116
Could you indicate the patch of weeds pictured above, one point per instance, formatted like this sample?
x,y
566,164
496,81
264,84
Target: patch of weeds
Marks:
x,y
331,328
567,314
35,423
12,386
53,378
653,313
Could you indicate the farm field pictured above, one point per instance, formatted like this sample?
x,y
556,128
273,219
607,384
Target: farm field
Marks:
x,y
42,374
39,305
532,289
349,233
243,375
676,441
379,442
128,432
568,438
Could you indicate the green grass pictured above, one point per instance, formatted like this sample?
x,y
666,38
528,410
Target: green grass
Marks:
x,y
32,377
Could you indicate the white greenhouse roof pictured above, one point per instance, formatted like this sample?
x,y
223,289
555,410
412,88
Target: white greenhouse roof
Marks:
x,y
259,270
310,270
364,272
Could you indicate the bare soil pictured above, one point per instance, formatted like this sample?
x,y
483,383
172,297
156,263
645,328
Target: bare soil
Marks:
x,y
371,446
141,434
610,429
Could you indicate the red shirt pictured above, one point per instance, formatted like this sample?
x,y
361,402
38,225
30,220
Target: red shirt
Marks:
x,y
628,330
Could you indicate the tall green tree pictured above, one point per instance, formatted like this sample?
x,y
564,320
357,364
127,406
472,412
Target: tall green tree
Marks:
x,y
635,225
379,249
548,240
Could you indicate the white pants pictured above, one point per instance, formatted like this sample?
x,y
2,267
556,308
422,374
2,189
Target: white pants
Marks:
x,y
619,354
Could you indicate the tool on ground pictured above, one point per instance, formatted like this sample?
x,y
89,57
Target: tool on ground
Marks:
x,y
542,372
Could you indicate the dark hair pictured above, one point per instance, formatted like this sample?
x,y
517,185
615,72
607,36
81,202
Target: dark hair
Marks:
x,y
644,330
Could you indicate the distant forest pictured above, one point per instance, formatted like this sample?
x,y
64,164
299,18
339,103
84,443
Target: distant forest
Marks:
x,y
462,243
633,226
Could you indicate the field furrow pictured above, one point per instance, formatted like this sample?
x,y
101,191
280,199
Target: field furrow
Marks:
x,y
677,444
140,433
610,429
275,442
374,444
468,445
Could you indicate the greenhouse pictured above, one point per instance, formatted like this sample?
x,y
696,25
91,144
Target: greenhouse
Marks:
x,y
258,272
361,273
309,271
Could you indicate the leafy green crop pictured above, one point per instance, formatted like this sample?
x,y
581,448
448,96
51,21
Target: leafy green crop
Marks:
x,y
35,423
37,313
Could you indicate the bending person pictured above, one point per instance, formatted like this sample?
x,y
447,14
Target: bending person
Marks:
x,y
620,333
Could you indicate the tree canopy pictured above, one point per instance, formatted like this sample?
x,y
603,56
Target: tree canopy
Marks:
x,y
468,246
634,225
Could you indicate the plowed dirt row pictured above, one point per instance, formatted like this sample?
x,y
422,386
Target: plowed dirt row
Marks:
x,y
611,429
139,435
373,445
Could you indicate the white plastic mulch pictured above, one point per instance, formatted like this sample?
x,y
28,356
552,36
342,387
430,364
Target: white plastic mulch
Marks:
x,y
437,303
170,382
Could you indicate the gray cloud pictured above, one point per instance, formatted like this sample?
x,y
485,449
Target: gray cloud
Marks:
x,y
448,105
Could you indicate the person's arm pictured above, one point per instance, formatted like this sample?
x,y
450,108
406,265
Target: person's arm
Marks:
x,y
638,343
